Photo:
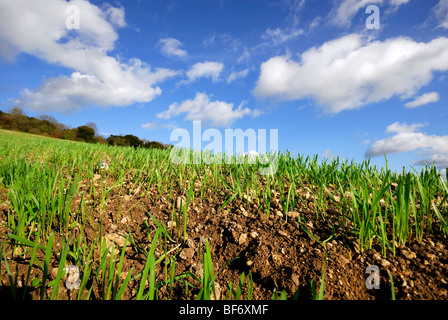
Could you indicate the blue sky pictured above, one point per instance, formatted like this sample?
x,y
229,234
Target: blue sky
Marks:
x,y
311,69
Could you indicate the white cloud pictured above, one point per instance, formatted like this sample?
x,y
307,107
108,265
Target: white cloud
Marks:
x,y
398,127
116,16
244,56
441,12
97,78
170,47
80,90
216,113
278,36
150,125
406,138
398,2
350,72
294,8
210,40
235,75
229,42
315,23
205,69
345,10
327,154
155,125
343,13
423,99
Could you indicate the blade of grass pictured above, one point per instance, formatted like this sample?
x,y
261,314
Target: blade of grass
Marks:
x,y
25,241
229,200
149,263
392,287
124,285
48,251
120,266
33,257
61,271
315,295
12,283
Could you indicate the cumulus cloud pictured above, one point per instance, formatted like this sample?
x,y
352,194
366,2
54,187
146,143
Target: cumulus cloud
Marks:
x,y
207,69
116,16
350,72
96,78
433,148
423,99
398,127
215,113
170,47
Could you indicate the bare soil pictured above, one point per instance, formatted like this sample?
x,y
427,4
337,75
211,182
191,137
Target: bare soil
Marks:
x,y
276,250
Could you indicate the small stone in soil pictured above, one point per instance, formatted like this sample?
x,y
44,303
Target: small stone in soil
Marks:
x,y
187,253
242,239
409,254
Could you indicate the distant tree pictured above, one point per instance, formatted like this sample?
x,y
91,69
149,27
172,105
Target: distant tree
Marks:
x,y
117,141
133,141
6,121
53,121
85,133
19,121
93,126
47,125
154,145
69,134
17,111
100,139
127,140
48,118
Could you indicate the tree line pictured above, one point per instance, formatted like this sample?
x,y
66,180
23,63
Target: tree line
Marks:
x,y
45,125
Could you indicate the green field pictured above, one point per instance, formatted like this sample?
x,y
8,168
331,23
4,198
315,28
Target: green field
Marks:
x,y
145,228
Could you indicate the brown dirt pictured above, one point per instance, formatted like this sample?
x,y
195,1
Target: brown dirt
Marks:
x,y
279,254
